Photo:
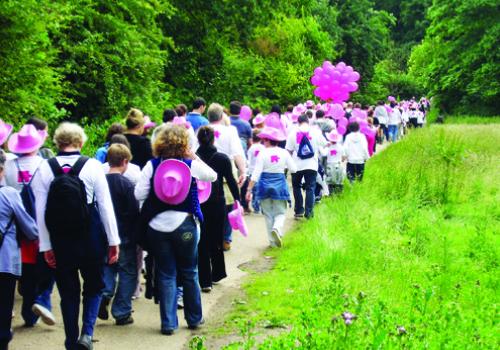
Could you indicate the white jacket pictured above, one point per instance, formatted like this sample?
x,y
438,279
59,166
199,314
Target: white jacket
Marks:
x,y
356,148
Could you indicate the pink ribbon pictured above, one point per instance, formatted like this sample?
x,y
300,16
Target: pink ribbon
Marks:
x,y
275,159
300,135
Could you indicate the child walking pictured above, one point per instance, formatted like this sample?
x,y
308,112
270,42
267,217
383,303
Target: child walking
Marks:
x,y
127,212
355,152
334,170
272,190
252,154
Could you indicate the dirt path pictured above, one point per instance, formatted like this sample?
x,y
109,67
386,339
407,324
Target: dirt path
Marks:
x,y
145,332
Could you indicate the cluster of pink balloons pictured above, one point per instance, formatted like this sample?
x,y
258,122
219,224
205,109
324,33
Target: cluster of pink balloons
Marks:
x,y
335,83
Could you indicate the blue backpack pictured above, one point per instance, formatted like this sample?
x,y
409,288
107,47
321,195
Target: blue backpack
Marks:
x,y
305,150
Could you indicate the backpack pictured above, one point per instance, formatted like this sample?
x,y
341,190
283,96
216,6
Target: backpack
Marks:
x,y
305,150
27,195
67,212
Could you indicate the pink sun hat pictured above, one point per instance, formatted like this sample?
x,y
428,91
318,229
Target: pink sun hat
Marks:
x,y
334,136
273,120
204,190
259,119
172,181
236,219
245,113
181,121
273,134
309,104
27,140
148,124
5,130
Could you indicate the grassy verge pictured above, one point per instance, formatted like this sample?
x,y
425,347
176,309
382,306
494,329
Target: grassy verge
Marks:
x,y
471,119
407,259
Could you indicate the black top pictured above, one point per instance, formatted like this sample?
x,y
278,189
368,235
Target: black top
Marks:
x,y
221,164
140,146
125,205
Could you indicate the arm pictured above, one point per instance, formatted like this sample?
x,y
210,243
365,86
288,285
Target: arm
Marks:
x,y
143,186
231,181
290,164
22,218
40,185
203,172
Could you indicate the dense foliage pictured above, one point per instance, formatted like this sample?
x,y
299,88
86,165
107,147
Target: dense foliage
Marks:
x,y
427,280
95,59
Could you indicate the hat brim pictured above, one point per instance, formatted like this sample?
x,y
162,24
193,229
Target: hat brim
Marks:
x,y
332,139
185,172
204,194
9,128
16,147
266,136
236,219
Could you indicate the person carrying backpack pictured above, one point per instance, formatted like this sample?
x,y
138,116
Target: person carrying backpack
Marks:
x,y
304,144
37,281
12,216
77,228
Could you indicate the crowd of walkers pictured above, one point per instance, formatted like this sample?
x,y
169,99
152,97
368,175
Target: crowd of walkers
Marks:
x,y
164,199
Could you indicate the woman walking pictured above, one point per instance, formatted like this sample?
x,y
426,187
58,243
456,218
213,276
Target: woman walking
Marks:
x,y
169,217
211,255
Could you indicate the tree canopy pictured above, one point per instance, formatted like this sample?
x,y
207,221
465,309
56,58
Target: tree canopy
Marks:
x,y
94,59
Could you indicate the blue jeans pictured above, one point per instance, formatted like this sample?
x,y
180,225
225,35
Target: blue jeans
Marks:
x,y
393,133
309,177
68,283
255,201
126,271
177,252
228,230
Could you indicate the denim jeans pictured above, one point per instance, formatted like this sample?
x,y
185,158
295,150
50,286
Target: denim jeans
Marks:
x,y
355,172
126,272
274,211
68,283
255,201
177,252
228,230
393,133
309,177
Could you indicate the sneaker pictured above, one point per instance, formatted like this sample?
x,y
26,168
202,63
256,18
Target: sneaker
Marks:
x,y
180,303
44,313
206,289
124,321
103,309
167,331
226,246
277,238
84,342
193,327
298,216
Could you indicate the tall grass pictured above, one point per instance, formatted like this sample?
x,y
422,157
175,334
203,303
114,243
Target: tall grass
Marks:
x,y
412,252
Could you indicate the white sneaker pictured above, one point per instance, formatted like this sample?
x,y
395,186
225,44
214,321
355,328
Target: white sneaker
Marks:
x,y
277,238
44,313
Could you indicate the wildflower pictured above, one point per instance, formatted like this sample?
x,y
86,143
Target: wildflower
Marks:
x,y
401,330
348,318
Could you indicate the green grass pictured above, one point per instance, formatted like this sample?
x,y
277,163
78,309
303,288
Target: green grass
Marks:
x,y
471,119
416,245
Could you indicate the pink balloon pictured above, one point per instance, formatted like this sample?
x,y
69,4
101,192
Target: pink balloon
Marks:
x,y
245,113
344,78
325,79
337,112
359,113
355,76
341,65
317,92
344,88
330,70
343,121
315,80
352,86
327,64
318,71
341,130
348,69
336,75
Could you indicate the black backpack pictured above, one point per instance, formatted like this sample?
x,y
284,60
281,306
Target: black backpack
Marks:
x,y
27,195
305,150
67,212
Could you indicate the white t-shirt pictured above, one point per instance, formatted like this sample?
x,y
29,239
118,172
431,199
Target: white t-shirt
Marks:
x,y
273,160
227,141
317,141
252,154
395,117
381,114
96,186
28,166
356,148
170,220
133,172
333,153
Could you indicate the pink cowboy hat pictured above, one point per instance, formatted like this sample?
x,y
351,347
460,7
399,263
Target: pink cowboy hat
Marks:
x,y
245,113
27,140
273,134
309,104
334,136
391,99
259,119
236,219
5,130
148,124
181,121
204,190
273,120
172,181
